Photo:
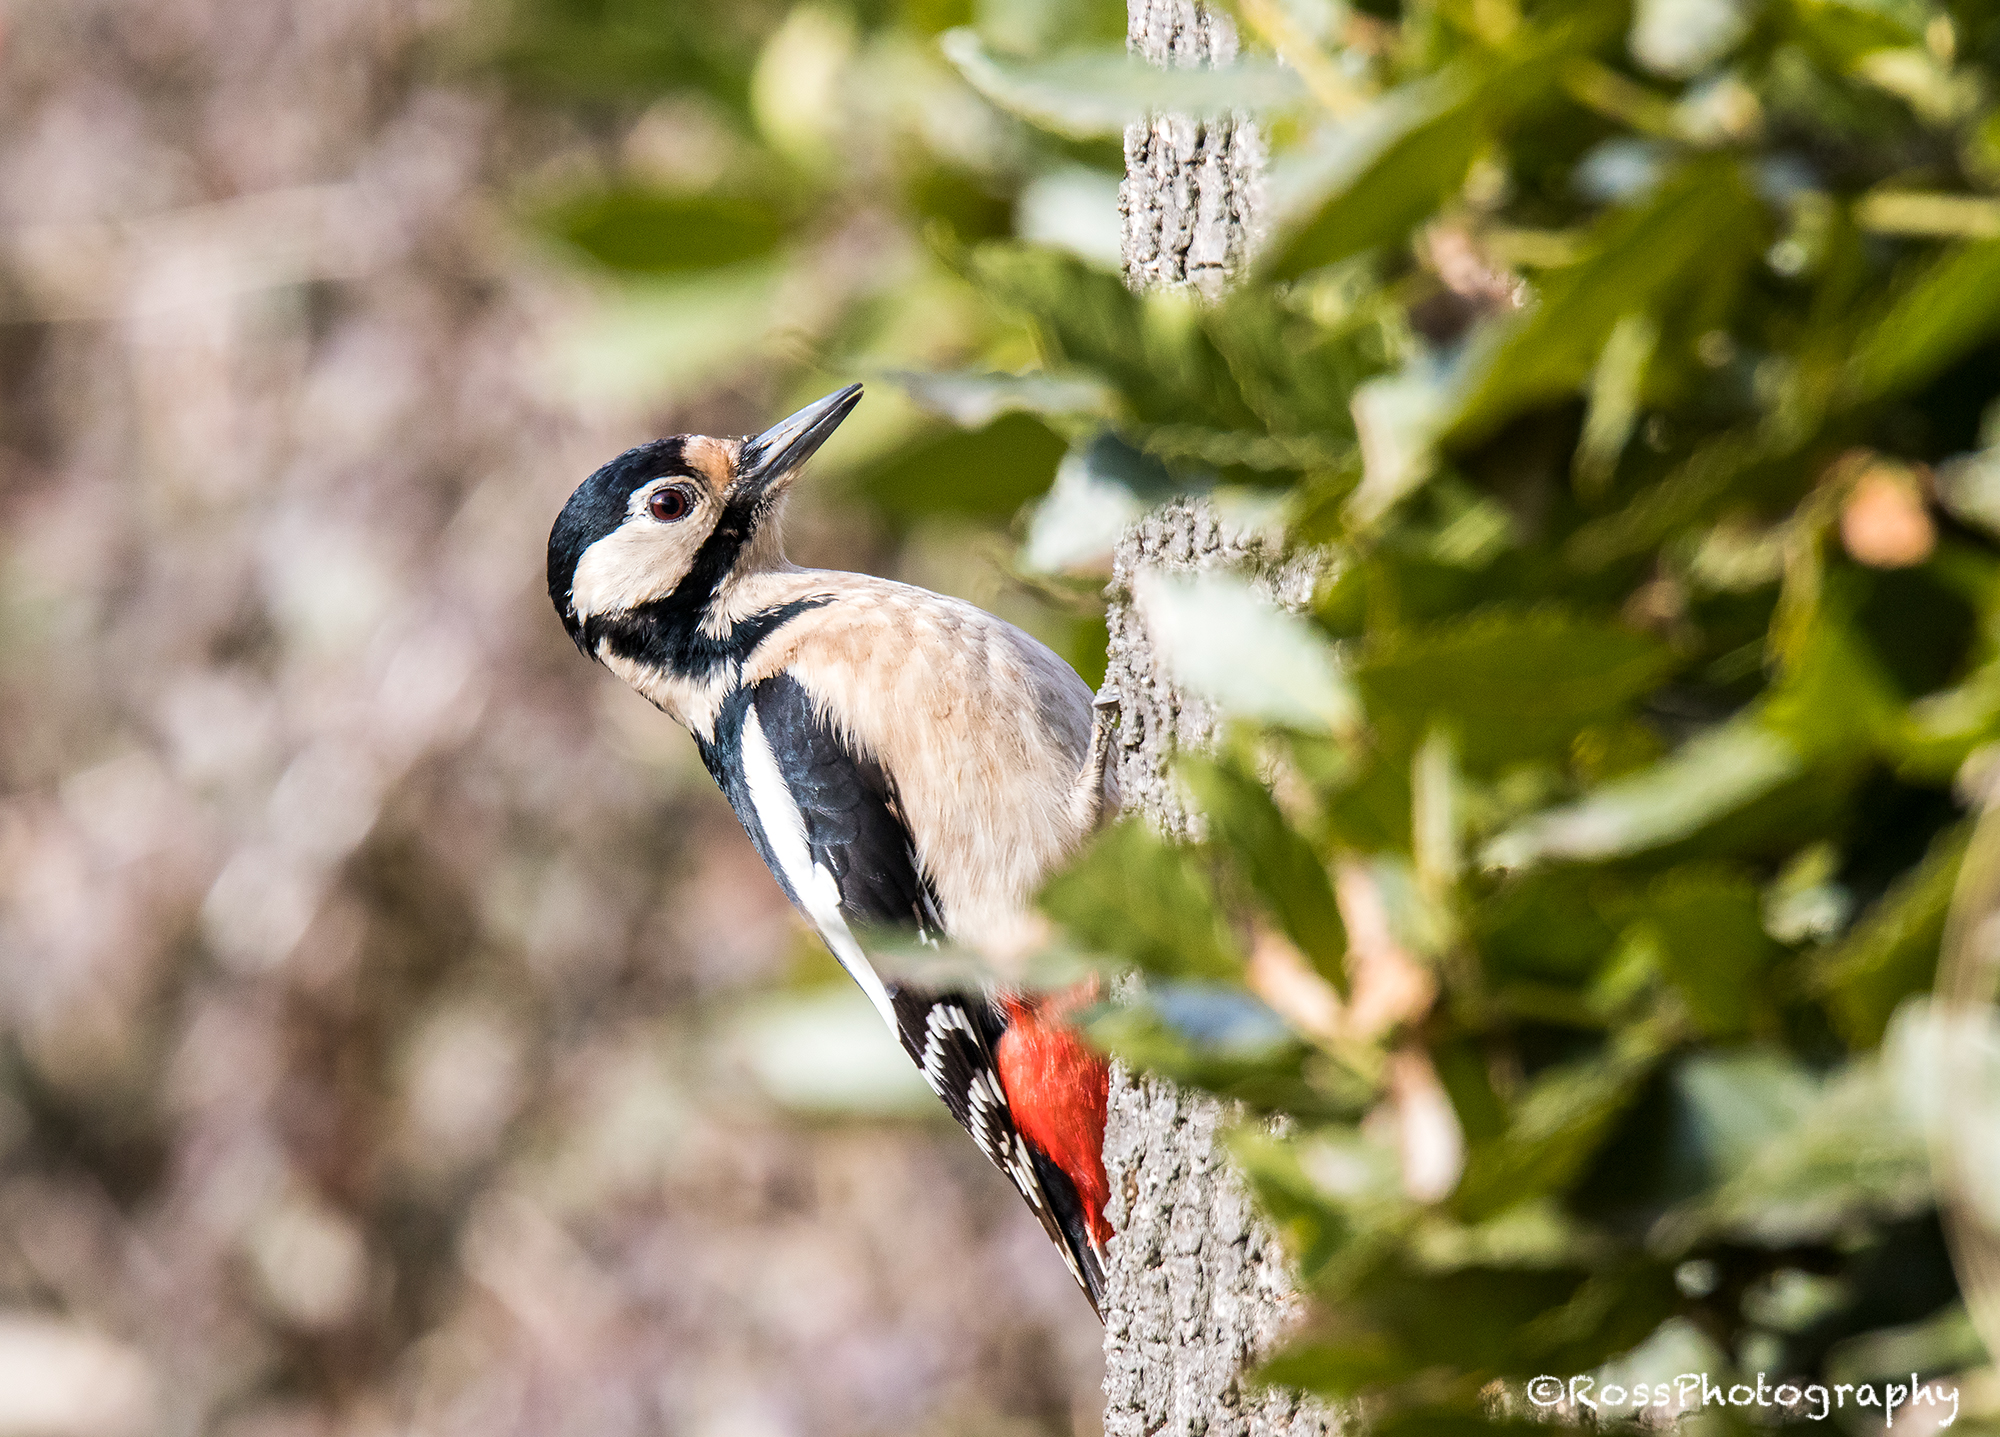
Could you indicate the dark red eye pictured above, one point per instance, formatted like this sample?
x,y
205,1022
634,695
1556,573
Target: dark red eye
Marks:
x,y
669,505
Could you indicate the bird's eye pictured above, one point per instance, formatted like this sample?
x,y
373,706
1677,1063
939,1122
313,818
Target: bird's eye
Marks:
x,y
669,505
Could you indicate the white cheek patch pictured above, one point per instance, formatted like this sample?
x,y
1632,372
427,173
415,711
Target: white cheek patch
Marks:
x,y
634,564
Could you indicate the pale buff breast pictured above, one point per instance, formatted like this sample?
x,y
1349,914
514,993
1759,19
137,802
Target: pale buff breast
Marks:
x,y
980,726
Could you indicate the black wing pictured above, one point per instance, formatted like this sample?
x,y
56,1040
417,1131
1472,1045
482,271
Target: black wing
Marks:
x,y
846,802
951,1036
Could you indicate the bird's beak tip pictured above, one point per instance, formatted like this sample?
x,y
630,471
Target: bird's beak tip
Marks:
x,y
786,445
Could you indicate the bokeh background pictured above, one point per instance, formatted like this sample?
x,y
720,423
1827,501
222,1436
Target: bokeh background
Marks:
x,y
396,1032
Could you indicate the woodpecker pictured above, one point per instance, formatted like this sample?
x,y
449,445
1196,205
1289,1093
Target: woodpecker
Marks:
x,y
894,755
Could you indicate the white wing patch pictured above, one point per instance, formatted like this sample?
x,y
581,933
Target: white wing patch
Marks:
x,y
817,890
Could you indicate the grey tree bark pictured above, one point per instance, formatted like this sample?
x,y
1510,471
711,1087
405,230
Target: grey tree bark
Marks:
x,y
1198,1287
1191,187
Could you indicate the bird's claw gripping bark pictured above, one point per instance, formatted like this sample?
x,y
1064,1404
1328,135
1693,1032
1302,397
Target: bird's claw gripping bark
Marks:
x,y
1087,800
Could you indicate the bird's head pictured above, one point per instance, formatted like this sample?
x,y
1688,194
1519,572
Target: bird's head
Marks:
x,y
664,527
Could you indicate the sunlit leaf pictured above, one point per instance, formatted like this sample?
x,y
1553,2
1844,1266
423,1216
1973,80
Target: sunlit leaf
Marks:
x,y
1224,641
1381,173
1398,419
1101,488
1712,775
1683,37
1081,94
974,399
1369,181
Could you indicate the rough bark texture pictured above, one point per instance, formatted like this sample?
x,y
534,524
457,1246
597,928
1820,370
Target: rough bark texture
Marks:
x,y
1191,187
1198,1287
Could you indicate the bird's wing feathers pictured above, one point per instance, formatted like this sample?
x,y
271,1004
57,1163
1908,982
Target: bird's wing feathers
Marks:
x,y
951,1037
848,806
826,823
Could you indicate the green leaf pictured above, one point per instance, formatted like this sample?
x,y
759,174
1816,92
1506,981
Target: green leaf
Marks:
x,y
1697,230
1795,1162
1892,951
1280,865
1154,349
642,231
1226,643
972,399
1710,776
1102,487
1401,1320
1615,388
1331,1191
1556,1128
1951,306
1383,174
1298,374
1137,896
1699,484
1511,684
1281,1077
1713,947
1846,31
1834,700
989,472
1947,1341
1552,925
1082,94
1371,181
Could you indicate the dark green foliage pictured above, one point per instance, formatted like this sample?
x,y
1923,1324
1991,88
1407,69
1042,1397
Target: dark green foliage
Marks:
x,y
1612,377
1280,865
657,232
1148,901
989,472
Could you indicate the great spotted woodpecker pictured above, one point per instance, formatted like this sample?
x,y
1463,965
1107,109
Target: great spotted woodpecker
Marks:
x,y
894,755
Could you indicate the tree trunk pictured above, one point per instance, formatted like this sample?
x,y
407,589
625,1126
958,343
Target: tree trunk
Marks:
x,y
1198,1287
1190,190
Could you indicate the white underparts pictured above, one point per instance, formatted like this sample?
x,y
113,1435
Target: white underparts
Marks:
x,y
814,887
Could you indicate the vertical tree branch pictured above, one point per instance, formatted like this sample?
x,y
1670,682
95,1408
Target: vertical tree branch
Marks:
x,y
1198,1287
1191,187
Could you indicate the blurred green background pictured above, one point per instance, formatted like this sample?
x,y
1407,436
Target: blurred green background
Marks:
x,y
396,1031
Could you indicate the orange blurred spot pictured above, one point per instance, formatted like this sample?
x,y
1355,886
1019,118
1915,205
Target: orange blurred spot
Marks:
x,y
1884,523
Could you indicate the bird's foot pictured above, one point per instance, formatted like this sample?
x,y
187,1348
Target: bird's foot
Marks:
x,y
1087,799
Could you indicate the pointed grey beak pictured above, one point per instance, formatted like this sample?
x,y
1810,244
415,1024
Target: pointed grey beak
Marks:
x,y
780,450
